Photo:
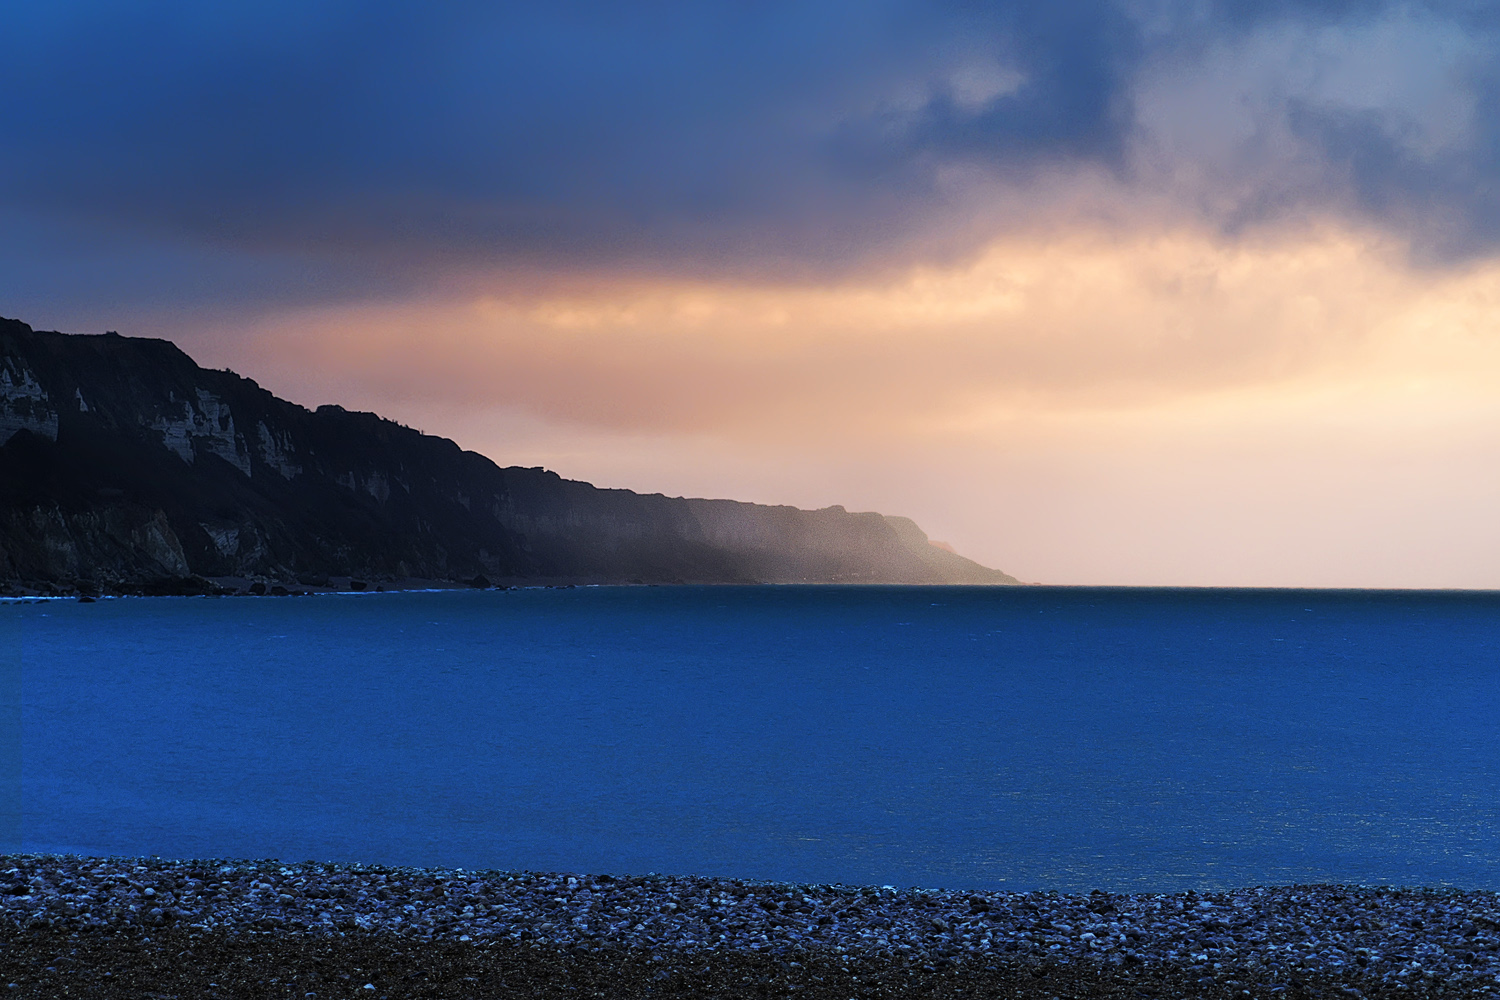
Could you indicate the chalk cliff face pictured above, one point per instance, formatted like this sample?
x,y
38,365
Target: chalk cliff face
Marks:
x,y
123,463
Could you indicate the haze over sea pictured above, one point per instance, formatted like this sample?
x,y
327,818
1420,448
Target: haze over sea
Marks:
x,y
1013,738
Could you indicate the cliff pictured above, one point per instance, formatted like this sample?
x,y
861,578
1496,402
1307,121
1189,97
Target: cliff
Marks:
x,y
124,465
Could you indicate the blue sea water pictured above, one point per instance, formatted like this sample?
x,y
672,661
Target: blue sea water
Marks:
x,y
1014,738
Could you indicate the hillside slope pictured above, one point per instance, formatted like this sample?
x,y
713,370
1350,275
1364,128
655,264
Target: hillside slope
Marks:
x,y
123,463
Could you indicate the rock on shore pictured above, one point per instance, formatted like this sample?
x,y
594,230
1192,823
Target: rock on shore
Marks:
x,y
1258,942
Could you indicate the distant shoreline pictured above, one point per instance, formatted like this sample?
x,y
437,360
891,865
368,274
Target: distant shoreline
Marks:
x,y
249,587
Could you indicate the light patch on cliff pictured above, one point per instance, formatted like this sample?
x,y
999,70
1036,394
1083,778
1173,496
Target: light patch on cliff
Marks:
x,y
210,426
225,539
24,404
276,452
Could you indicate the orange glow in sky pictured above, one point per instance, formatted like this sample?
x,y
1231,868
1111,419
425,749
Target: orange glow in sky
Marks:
x,y
1098,291
1157,406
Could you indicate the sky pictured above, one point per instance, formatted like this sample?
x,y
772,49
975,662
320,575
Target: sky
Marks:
x,y
1164,292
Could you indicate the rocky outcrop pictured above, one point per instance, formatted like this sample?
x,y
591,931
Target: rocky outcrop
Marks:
x,y
122,462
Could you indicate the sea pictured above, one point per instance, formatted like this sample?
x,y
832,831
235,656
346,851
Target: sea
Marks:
x,y
1016,738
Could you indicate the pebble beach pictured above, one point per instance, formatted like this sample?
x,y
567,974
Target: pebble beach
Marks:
x,y
118,927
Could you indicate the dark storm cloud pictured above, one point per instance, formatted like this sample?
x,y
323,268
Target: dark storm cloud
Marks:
x,y
1447,202
417,136
1405,135
569,128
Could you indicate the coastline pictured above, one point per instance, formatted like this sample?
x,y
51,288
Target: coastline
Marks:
x,y
257,587
13,591
109,927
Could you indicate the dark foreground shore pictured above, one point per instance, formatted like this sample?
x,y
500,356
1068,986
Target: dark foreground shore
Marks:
x,y
147,928
187,965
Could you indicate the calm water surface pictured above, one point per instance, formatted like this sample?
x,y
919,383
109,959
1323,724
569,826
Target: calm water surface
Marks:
x,y
948,737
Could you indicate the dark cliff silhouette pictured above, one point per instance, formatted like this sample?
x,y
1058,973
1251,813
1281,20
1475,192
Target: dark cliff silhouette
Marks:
x,y
124,465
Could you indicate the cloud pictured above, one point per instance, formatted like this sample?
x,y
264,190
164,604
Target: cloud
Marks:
x,y
1034,324
577,131
281,153
1383,115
